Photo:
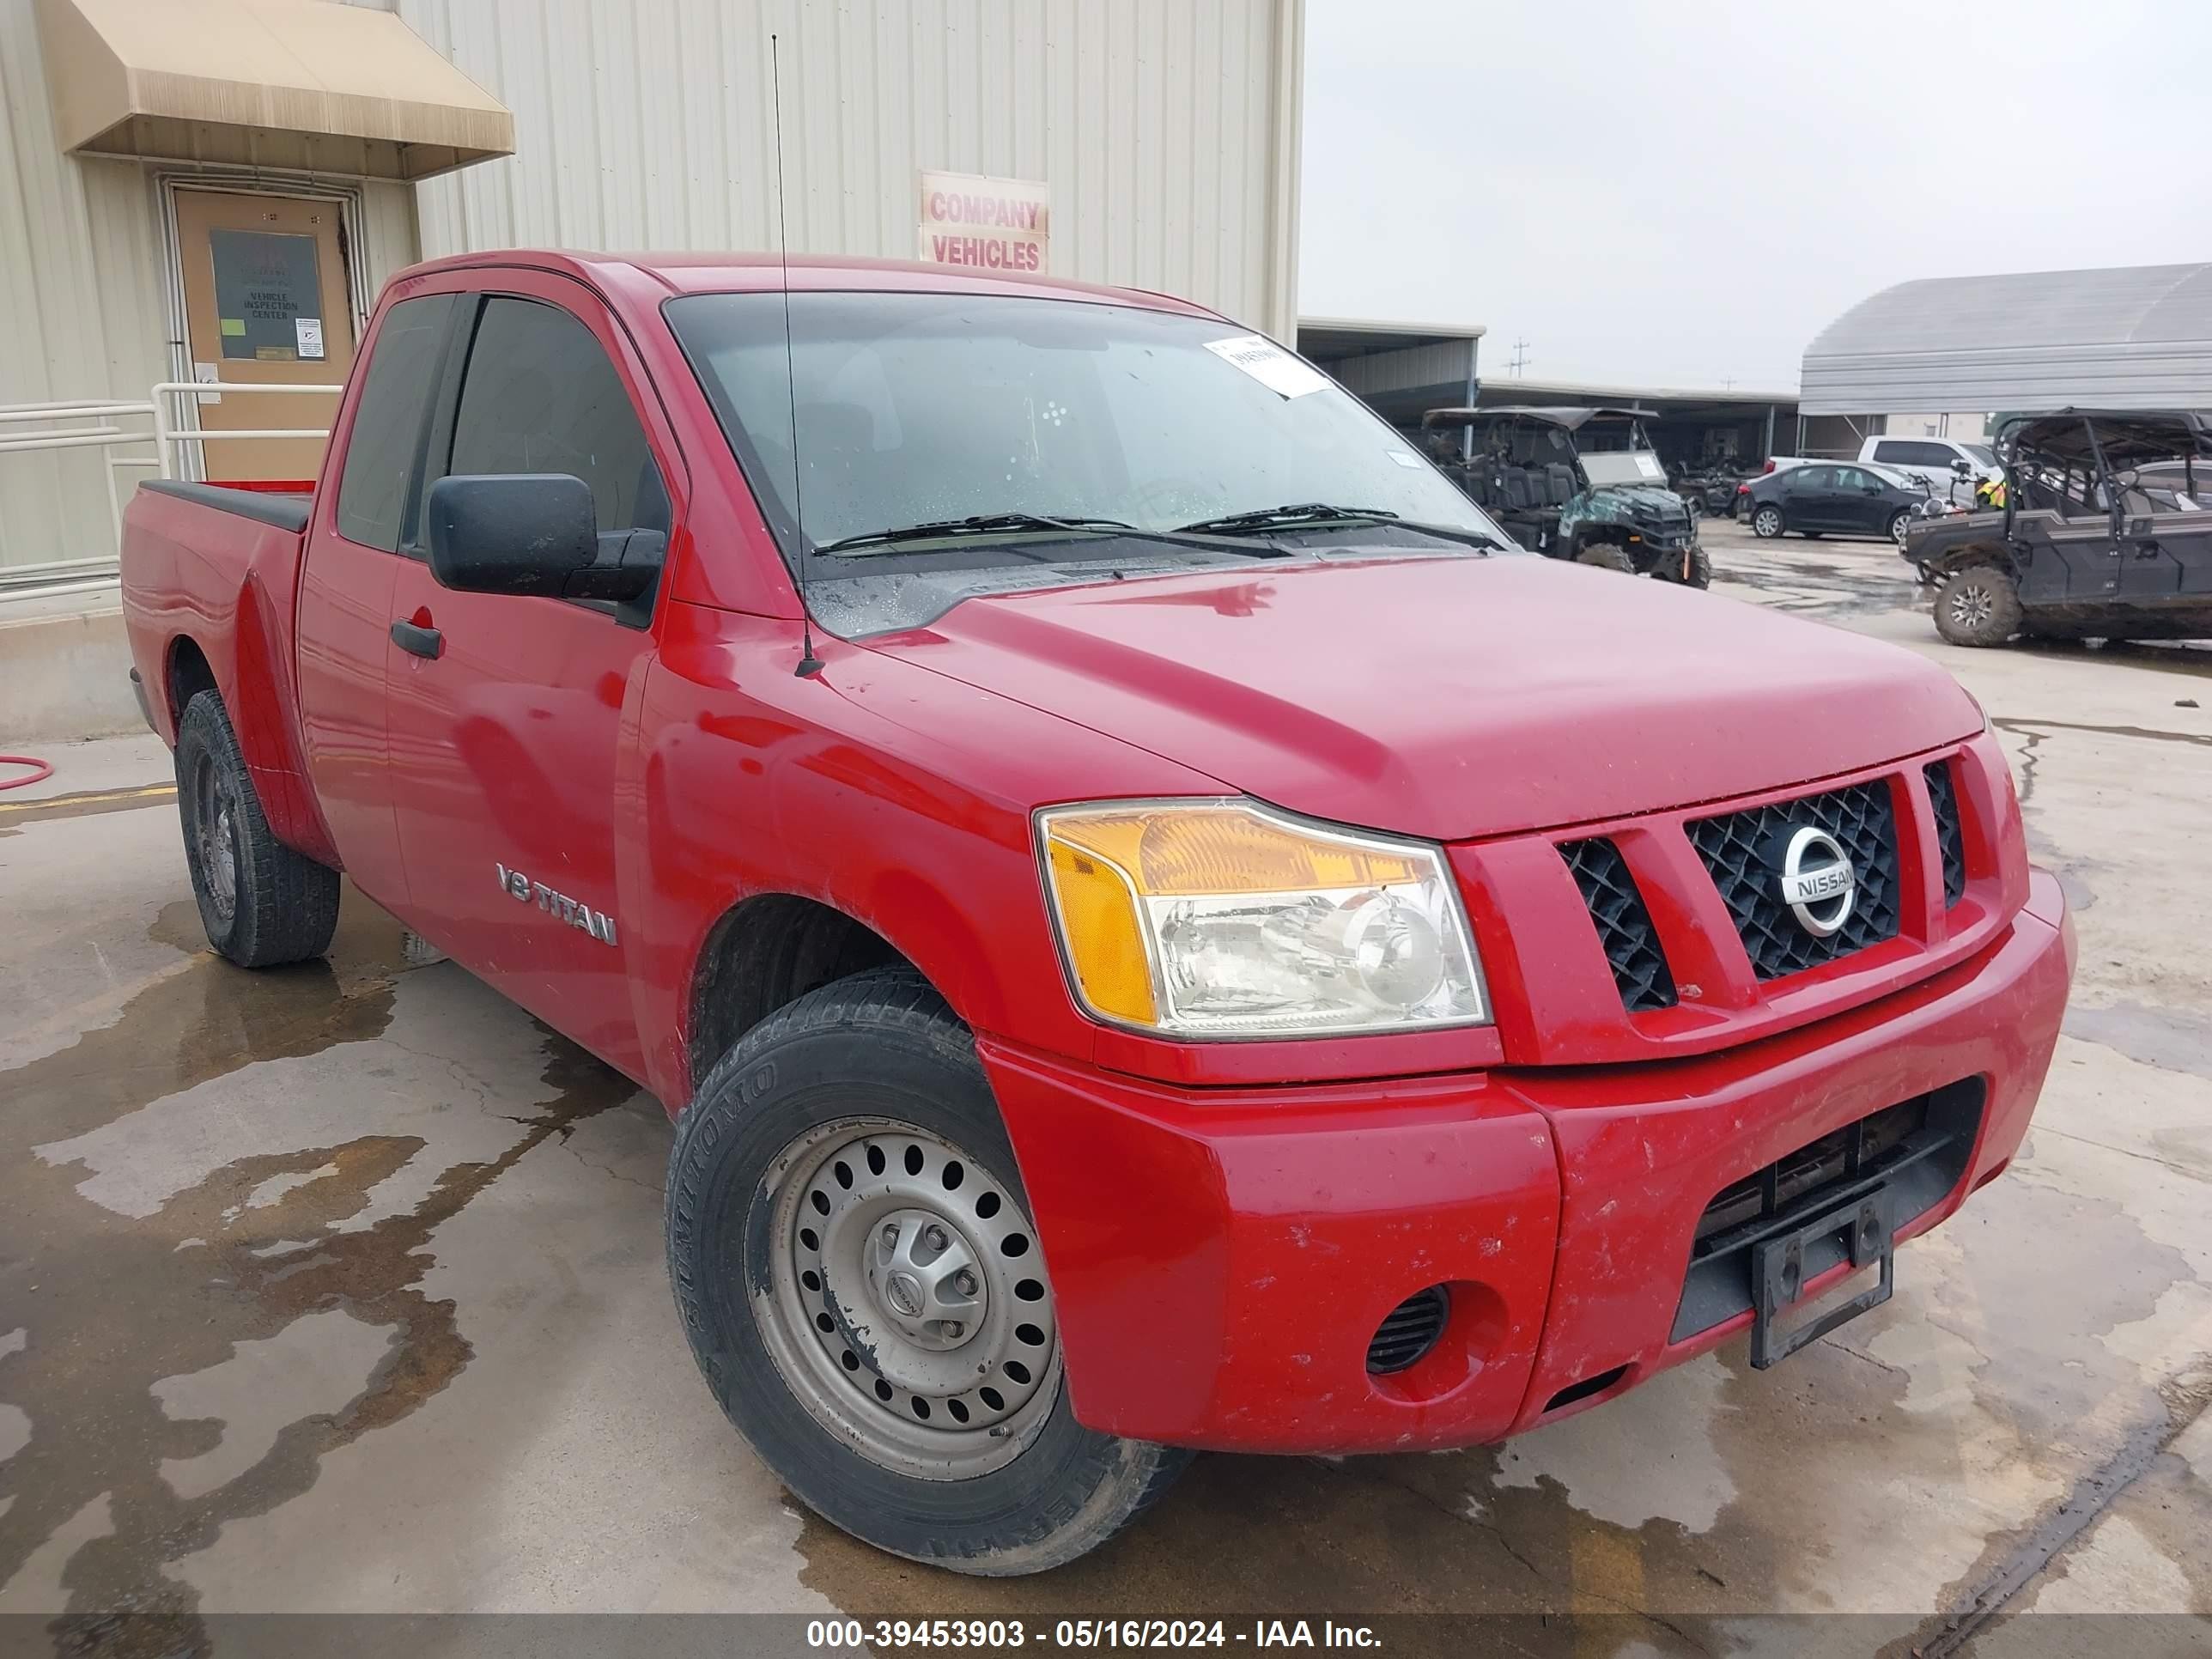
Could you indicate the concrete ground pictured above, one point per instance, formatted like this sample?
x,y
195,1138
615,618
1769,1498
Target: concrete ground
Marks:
x,y
341,1289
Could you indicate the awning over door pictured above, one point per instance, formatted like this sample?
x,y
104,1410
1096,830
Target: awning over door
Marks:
x,y
280,83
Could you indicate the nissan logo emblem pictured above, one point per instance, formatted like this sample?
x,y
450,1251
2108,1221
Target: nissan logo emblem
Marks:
x,y
1818,882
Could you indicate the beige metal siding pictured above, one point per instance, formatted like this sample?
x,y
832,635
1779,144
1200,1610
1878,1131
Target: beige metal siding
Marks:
x,y
80,285
1167,129
83,280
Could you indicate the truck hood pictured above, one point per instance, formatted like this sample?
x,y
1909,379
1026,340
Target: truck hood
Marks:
x,y
1452,697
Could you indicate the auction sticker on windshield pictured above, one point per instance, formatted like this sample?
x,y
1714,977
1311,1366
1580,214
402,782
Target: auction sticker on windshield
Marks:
x,y
1269,364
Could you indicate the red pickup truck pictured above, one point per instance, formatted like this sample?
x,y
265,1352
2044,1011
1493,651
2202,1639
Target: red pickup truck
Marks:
x,y
1158,926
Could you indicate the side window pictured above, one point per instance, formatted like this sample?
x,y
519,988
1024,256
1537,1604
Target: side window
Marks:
x,y
387,425
541,395
1892,451
1814,477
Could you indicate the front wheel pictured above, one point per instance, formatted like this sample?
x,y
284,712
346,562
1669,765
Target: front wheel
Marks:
x,y
1977,606
1767,523
1606,557
853,1260
1692,568
1899,522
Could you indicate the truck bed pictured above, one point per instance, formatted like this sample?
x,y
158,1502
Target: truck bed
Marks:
x,y
210,591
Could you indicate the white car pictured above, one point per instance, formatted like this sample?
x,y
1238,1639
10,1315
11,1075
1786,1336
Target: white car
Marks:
x,y
1936,460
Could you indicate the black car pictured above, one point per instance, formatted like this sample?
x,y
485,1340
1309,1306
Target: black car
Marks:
x,y
1847,498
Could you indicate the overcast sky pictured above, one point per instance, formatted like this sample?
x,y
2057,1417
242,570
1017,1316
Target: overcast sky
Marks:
x,y
1686,193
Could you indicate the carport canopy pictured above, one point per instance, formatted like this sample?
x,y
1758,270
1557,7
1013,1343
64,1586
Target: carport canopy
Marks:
x,y
1401,370
2134,336
280,83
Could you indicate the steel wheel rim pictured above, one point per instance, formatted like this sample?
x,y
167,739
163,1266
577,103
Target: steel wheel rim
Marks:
x,y
1972,605
213,831
858,1301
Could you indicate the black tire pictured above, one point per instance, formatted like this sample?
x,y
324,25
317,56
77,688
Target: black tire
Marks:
x,y
1699,573
1899,522
1767,522
1977,606
262,903
880,1045
1604,556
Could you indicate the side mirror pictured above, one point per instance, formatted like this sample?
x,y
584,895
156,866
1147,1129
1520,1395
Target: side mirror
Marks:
x,y
1960,468
533,533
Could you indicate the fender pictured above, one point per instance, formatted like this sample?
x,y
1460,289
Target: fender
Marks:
x,y
226,583
837,788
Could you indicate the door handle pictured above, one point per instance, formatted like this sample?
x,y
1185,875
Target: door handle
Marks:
x,y
422,642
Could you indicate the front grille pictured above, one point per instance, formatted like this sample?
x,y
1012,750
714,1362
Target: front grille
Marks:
x,y
1742,852
1624,926
1408,1331
1949,836
1918,1148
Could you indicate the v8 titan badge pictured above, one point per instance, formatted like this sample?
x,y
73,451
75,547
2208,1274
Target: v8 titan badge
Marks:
x,y
1818,882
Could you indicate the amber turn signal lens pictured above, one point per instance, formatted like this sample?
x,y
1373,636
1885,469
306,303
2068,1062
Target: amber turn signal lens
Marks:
x,y
1223,917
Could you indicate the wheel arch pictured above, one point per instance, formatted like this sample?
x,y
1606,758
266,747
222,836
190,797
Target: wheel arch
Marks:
x,y
764,951
185,673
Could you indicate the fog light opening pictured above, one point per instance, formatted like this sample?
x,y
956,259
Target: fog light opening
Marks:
x,y
1409,1332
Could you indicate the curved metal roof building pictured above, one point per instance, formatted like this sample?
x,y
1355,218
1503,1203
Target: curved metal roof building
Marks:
x,y
2138,336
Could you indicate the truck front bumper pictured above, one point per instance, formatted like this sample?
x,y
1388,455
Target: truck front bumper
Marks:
x,y
1222,1258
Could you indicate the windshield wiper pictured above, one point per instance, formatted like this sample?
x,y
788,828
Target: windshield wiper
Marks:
x,y
1000,524
1303,515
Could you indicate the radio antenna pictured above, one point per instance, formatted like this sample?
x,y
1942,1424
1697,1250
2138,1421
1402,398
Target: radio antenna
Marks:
x,y
809,663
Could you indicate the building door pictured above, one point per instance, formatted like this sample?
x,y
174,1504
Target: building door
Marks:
x,y
267,302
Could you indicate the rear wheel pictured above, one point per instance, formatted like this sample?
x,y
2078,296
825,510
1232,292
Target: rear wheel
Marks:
x,y
1977,606
1606,557
1766,522
856,1269
261,903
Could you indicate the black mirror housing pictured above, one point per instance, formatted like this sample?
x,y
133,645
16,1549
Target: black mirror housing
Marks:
x,y
510,532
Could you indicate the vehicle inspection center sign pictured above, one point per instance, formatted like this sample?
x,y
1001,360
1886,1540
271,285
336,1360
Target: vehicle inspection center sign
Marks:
x,y
989,224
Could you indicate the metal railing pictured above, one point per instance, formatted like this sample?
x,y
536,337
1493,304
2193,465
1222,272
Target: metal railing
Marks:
x,y
166,433
99,423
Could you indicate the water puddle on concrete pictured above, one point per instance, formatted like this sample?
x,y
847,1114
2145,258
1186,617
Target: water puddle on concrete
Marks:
x,y
200,1312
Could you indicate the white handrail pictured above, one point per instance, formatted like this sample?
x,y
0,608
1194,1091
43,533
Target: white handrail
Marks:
x,y
85,409
165,434
107,435
169,433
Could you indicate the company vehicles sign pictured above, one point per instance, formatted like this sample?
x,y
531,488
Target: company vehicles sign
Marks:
x,y
989,224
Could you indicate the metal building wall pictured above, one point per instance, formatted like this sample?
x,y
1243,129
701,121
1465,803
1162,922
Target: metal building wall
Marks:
x,y
1167,129
82,283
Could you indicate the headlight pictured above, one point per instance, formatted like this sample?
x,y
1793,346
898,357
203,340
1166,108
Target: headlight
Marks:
x,y
1224,919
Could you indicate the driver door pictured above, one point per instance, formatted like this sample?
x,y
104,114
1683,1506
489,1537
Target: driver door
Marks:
x,y
507,711
1860,502
1812,498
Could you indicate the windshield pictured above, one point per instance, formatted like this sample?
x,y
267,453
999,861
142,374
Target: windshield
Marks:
x,y
918,409
1629,466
